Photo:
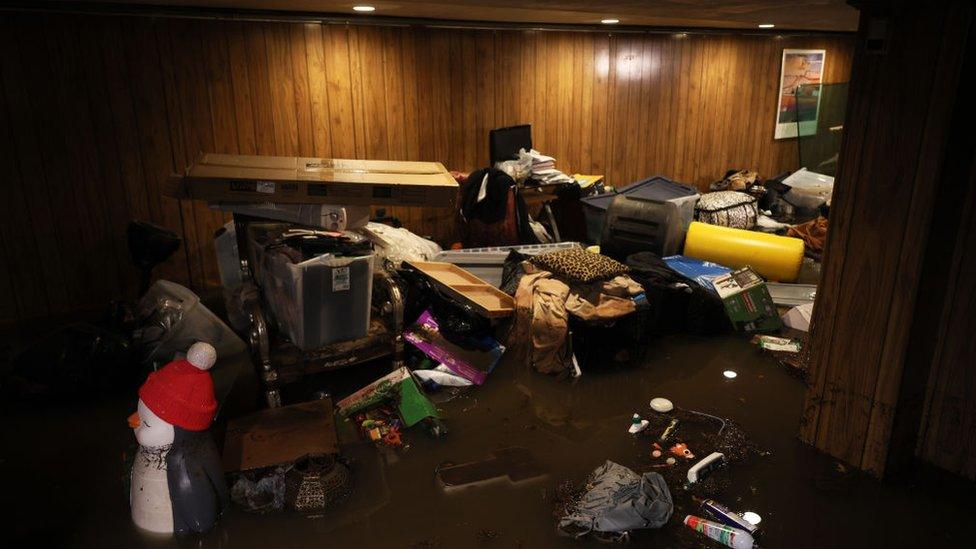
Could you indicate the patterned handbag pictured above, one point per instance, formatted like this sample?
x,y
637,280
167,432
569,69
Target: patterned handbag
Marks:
x,y
728,209
317,484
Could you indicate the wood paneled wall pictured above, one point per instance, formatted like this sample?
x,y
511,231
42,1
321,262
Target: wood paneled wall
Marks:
x,y
947,435
894,310
96,112
946,350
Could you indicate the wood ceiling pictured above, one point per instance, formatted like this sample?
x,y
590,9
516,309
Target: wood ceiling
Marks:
x,y
816,15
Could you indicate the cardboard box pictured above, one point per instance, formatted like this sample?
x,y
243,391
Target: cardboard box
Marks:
x,y
471,358
747,301
280,435
302,180
324,216
399,386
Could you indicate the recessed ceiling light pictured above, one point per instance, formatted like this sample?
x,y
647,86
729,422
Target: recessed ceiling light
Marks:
x,y
766,25
731,374
364,8
610,21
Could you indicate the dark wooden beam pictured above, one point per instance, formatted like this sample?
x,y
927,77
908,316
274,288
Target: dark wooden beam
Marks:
x,y
904,138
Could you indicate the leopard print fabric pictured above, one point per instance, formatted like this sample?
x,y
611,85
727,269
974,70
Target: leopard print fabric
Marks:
x,y
579,265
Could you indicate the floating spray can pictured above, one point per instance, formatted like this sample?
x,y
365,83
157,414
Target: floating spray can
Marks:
x,y
727,535
726,516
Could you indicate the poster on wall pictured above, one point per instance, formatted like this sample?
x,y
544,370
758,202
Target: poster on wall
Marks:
x,y
796,111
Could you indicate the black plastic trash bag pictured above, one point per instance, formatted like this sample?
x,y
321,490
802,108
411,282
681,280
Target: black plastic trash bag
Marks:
x,y
77,361
677,303
457,320
513,271
619,500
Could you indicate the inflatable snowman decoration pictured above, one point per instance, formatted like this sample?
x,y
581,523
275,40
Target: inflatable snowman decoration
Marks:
x,y
177,480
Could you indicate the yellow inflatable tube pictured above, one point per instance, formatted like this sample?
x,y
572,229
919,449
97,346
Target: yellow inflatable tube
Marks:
x,y
777,258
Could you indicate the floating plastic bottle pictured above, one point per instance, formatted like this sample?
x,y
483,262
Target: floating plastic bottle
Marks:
x,y
726,535
637,424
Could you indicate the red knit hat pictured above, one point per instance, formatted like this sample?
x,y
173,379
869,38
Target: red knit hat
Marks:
x,y
182,393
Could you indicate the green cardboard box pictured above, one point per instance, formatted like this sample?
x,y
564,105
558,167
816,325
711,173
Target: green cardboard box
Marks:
x,y
399,386
747,301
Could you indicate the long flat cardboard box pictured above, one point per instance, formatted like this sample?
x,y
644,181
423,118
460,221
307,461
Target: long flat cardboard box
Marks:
x,y
305,180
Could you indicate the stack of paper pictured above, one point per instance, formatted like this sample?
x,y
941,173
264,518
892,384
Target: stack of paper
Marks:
x,y
544,169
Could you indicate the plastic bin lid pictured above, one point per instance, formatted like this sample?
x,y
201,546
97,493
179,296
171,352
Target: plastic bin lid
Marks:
x,y
655,188
691,267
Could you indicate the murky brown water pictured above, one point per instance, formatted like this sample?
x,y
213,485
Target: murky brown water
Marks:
x,y
61,467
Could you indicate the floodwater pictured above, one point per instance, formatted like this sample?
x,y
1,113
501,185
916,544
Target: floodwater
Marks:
x,y
62,467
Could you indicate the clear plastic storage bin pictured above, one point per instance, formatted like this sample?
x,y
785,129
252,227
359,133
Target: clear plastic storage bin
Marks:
x,y
315,302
